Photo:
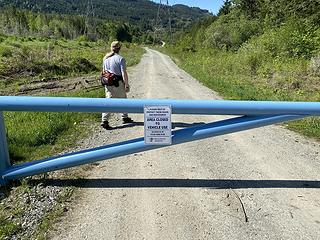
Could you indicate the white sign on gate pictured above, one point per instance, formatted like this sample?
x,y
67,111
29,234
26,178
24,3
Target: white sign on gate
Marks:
x,y
157,125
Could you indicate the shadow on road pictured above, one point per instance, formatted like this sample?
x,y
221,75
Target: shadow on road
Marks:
x,y
180,183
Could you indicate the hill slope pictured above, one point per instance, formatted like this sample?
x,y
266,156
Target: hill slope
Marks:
x,y
133,11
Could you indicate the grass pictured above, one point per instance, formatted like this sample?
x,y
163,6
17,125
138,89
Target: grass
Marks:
x,y
36,135
23,59
246,76
7,227
33,135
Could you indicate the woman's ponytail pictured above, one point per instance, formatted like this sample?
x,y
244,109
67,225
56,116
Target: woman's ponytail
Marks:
x,y
108,55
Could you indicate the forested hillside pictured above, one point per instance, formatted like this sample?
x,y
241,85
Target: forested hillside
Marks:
x,y
257,50
125,10
26,23
241,23
94,18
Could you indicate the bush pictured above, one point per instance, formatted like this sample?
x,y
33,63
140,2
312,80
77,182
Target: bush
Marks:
x,y
83,38
231,31
82,65
253,57
295,38
6,52
187,44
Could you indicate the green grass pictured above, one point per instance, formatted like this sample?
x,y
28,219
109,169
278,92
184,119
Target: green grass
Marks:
x,y
24,59
245,75
7,228
33,135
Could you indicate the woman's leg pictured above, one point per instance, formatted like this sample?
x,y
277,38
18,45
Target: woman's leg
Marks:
x,y
109,92
121,93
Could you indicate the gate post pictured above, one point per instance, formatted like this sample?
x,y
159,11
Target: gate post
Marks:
x,y
4,154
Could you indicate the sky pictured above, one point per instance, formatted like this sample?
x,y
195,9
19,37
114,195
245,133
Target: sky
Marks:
x,y
211,5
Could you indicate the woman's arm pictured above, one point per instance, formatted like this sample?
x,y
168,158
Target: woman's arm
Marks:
x,y
126,80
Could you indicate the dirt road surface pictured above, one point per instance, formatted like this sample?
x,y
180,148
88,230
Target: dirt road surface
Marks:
x,y
257,184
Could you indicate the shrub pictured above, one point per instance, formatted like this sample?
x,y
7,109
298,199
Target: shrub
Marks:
x,y
187,44
83,38
295,38
82,65
6,52
231,31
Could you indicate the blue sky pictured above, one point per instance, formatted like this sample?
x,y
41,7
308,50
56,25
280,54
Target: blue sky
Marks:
x,y
212,5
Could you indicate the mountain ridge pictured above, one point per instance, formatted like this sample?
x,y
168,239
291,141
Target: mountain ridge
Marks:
x,y
133,11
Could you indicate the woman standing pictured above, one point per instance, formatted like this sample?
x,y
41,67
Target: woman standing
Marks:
x,y
116,64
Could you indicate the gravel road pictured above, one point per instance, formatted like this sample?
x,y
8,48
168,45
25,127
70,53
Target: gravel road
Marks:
x,y
257,184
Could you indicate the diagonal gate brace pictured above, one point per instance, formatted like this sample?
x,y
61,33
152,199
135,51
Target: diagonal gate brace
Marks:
x,y
137,145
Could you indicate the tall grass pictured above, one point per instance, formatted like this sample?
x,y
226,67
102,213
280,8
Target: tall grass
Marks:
x,y
22,59
252,74
33,135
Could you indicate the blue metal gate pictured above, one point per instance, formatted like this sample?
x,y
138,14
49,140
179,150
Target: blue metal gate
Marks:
x,y
252,115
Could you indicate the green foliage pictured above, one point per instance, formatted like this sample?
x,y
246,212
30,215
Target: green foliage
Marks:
x,y
147,38
309,126
274,12
83,39
247,76
226,8
31,133
231,31
192,39
34,135
188,44
5,52
29,57
122,33
56,26
7,228
251,8
125,20
315,66
258,50
295,38
280,28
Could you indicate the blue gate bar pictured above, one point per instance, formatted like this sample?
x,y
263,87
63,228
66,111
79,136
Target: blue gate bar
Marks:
x,y
204,107
4,155
138,145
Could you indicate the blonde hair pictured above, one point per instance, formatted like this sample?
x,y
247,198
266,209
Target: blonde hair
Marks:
x,y
115,48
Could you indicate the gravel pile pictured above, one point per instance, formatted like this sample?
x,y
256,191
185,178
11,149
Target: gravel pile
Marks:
x,y
28,205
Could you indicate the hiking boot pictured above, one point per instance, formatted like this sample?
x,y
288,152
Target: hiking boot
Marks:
x,y
106,125
127,120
